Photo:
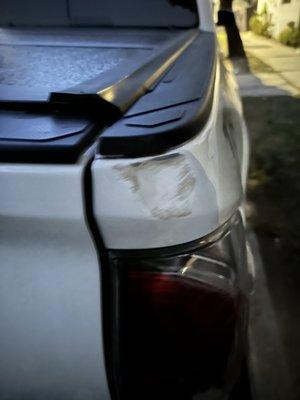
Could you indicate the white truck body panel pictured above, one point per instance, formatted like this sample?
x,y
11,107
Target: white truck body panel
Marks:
x,y
50,287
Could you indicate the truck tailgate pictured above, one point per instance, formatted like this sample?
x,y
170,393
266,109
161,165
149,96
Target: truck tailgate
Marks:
x,y
50,287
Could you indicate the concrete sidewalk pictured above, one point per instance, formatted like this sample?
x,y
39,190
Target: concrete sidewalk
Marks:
x,y
275,68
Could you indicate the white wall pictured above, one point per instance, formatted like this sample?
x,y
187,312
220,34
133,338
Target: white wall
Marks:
x,y
282,13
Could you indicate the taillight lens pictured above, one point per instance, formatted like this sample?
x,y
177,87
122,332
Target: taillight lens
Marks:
x,y
179,324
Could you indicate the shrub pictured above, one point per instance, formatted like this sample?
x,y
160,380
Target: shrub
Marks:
x,y
290,35
260,23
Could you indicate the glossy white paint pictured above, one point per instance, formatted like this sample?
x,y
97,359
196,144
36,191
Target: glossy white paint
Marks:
x,y
50,292
206,22
183,195
236,124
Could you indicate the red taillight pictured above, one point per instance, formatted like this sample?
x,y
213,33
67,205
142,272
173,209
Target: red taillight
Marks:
x,y
179,325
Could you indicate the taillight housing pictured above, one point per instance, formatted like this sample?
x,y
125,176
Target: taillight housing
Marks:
x,y
179,319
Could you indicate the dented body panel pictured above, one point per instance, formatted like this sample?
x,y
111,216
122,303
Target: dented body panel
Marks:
x,y
185,193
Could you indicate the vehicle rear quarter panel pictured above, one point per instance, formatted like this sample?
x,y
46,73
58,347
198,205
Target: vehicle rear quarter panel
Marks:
x,y
174,198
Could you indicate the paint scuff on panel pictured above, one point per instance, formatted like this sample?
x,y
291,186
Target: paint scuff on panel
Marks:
x,y
165,185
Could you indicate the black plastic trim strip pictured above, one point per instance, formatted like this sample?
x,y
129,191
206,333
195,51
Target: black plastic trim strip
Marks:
x,y
184,98
65,150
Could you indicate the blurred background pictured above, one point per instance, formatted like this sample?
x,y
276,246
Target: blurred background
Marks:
x,y
268,73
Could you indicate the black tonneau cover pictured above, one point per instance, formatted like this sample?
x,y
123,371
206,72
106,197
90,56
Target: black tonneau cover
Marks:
x,y
60,88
